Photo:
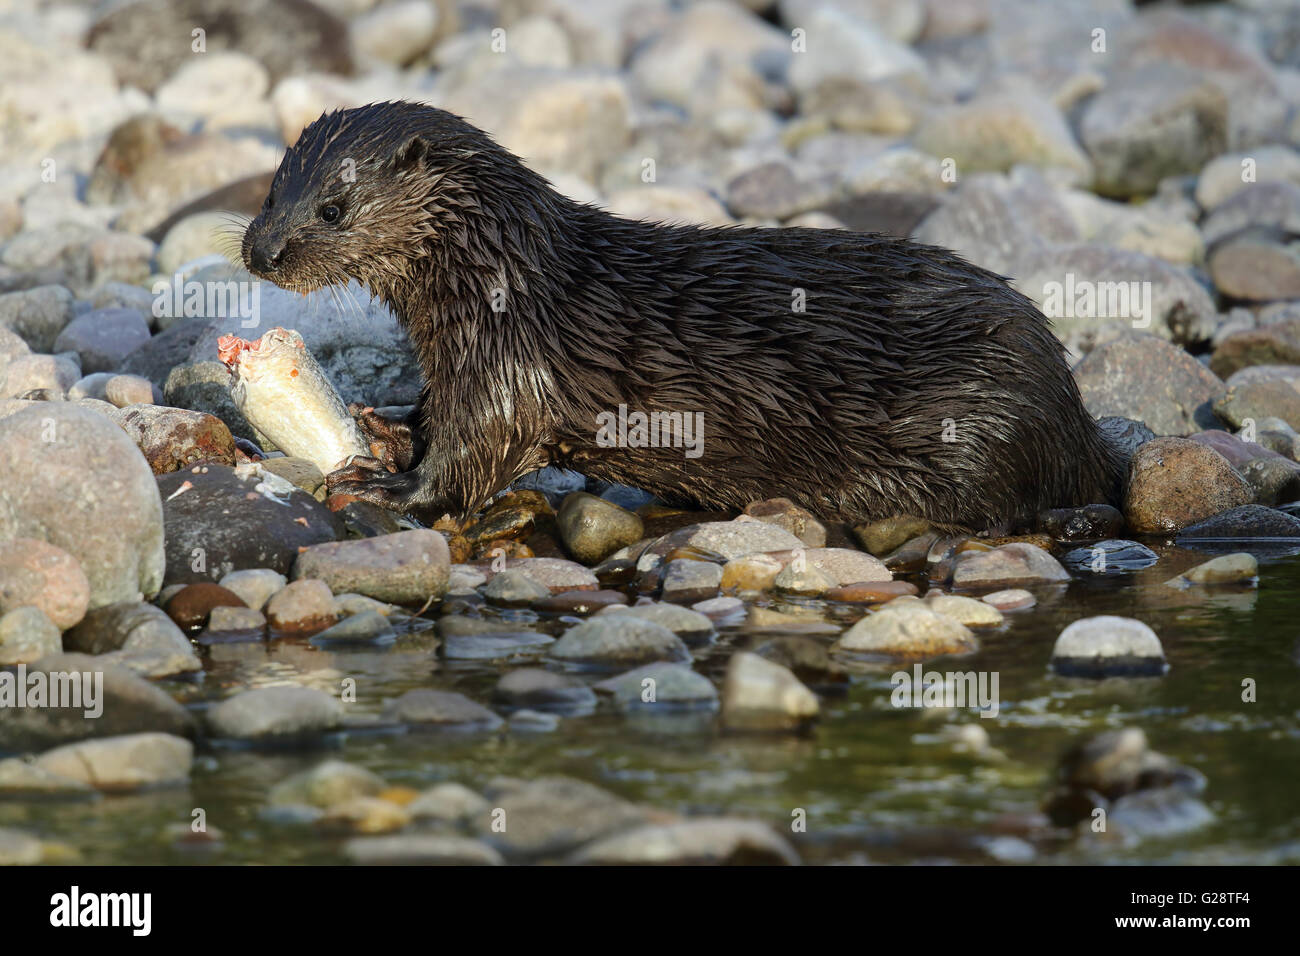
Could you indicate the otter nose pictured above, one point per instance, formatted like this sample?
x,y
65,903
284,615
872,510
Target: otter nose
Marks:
x,y
265,254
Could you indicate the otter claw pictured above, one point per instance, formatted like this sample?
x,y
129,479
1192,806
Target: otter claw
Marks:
x,y
390,440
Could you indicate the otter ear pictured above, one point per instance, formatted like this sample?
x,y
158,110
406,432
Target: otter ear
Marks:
x,y
410,154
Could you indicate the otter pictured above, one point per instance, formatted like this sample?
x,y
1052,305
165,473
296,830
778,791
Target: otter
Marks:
x,y
858,375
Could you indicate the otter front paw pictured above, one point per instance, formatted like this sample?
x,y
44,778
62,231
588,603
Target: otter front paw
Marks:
x,y
368,479
391,440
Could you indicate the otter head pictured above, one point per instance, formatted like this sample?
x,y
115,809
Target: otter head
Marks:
x,y
365,191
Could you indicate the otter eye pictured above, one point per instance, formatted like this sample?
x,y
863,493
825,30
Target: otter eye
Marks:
x,y
330,213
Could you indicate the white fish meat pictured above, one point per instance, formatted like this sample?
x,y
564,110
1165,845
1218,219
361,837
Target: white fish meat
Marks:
x,y
283,392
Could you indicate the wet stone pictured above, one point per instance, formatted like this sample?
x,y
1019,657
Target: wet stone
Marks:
x,y
306,605
1012,599
704,841
420,849
579,602
406,567
543,690
1108,646
1247,521
618,641
1111,557
441,709
254,586
225,619
551,816
275,714
909,629
514,588
593,528
367,627
27,635
806,657
882,537
1239,568
1010,564
967,611
1086,523
688,581
761,696
784,513
691,626
190,606
660,687
534,722
873,592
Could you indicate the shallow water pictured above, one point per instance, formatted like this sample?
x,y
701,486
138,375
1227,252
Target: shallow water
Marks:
x,y
878,784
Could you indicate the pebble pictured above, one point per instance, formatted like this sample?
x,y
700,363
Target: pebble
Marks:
x,y
1143,377
27,635
408,567
1113,556
906,628
660,686
442,709
542,690
751,572
327,784
103,338
136,635
220,519
876,592
555,573
33,572
593,528
809,581
130,704
304,605
514,588
616,641
190,606
1246,521
729,539
273,714
448,803
365,627
123,764
89,493
691,626
1239,568
784,513
1108,646
175,438
254,586
760,696
534,722
722,611
124,390
964,610
706,841
224,619
420,849
1012,599
1174,483
1010,564
579,602
686,581
550,816
38,314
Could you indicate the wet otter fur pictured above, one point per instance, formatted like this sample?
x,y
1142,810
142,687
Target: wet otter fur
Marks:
x,y
909,382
